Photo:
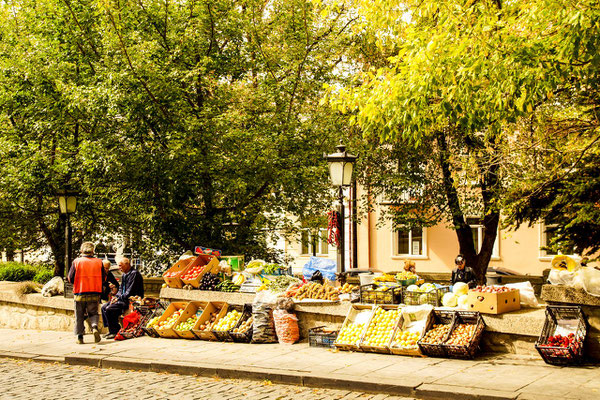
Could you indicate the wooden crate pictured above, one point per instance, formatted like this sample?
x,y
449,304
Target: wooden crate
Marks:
x,y
210,308
190,310
379,349
353,312
179,267
210,263
170,332
403,351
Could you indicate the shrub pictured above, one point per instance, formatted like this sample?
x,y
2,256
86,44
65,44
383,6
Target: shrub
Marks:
x,y
18,272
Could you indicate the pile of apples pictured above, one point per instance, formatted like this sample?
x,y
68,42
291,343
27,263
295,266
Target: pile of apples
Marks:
x,y
492,289
190,322
461,335
193,272
228,321
380,330
437,334
350,333
406,339
170,321
563,341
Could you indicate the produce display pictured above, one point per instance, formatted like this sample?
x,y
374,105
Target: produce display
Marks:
x,y
492,289
170,321
405,275
193,272
209,282
427,293
380,330
207,325
152,321
171,274
406,339
563,341
243,328
228,321
315,290
461,335
227,286
239,280
384,278
437,335
188,324
272,269
424,288
449,300
351,334
282,283
347,288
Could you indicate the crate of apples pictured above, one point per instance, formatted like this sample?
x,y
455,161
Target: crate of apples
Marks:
x,y
193,273
436,335
228,321
461,335
380,330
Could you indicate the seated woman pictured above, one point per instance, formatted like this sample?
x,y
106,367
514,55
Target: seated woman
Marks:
x,y
462,273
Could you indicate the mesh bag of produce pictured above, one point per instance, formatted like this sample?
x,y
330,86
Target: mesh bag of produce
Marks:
x,y
286,327
262,313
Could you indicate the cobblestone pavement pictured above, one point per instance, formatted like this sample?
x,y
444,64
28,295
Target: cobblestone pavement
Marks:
x,y
35,380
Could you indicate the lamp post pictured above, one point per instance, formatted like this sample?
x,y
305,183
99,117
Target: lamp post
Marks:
x,y
67,202
340,171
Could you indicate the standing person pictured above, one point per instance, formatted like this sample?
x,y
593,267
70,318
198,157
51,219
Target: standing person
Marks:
x,y
110,285
86,275
132,284
462,273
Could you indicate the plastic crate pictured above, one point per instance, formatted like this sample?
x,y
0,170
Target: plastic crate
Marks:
x,y
437,317
318,337
369,294
469,350
568,318
149,330
224,336
244,337
433,297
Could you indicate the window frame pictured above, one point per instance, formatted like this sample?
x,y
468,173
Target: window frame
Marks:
x,y
398,256
321,243
496,250
543,242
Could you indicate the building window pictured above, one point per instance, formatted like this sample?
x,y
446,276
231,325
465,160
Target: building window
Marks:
x,y
410,242
547,249
476,225
314,242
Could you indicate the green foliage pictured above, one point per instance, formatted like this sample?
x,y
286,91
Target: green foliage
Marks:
x,y
180,124
18,272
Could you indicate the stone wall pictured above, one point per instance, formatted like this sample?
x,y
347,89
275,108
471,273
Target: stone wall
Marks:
x,y
25,316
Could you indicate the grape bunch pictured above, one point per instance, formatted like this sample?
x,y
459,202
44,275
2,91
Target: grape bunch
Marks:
x,y
209,282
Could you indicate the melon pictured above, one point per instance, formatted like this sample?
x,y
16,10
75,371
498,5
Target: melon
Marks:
x,y
449,300
462,301
413,288
460,288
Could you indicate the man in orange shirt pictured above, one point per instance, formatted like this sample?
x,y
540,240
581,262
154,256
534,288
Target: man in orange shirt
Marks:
x,y
86,275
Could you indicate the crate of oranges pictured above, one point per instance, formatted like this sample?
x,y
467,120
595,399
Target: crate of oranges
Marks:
x,y
414,320
436,333
380,330
354,327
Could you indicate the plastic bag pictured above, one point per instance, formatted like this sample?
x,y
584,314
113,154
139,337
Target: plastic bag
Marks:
x,y
327,267
590,278
262,312
286,326
526,293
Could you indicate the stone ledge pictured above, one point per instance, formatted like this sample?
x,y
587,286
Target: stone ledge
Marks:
x,y
568,295
37,300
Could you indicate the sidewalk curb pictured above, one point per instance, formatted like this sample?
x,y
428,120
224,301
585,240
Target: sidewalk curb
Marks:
x,y
330,381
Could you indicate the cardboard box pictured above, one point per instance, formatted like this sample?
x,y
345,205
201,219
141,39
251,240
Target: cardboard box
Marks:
x,y
211,263
179,268
170,332
189,311
493,303
211,307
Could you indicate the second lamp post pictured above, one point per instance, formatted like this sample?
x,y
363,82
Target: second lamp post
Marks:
x,y
340,170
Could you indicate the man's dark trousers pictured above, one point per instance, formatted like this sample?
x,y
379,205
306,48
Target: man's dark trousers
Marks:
x,y
111,314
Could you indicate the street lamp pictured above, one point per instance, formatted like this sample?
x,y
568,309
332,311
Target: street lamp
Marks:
x,y
340,171
67,202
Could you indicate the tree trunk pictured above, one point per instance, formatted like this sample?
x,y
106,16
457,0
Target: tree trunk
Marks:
x,y
10,254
